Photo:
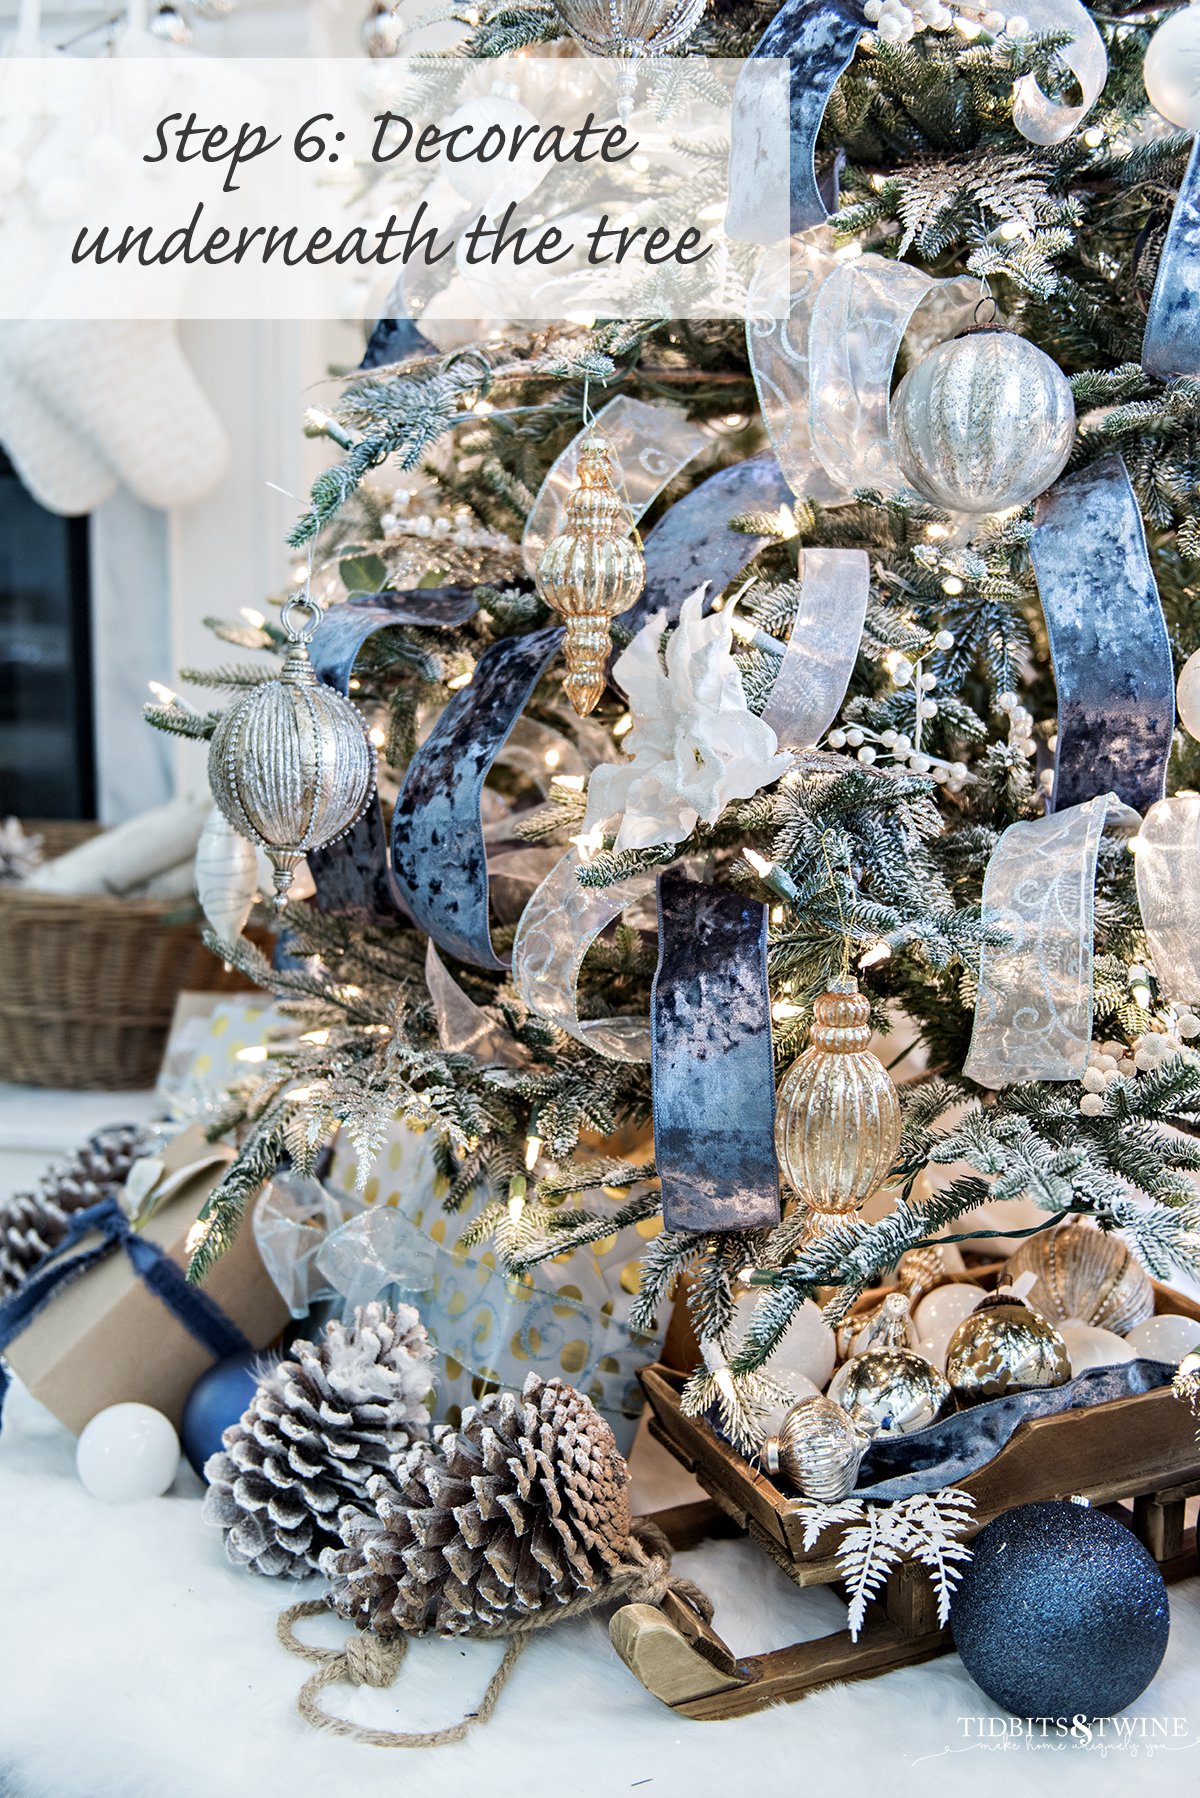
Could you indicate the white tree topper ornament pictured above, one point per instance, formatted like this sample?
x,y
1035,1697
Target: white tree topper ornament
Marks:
x,y
695,744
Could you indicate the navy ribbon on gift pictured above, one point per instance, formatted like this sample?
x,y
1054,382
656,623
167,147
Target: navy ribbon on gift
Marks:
x,y
1108,640
713,1075
198,1314
1171,345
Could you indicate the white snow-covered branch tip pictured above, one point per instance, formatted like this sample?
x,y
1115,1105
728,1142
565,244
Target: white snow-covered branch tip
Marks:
x,y
695,744
925,1529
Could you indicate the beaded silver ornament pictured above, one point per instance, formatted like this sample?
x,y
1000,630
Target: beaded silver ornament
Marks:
x,y
290,765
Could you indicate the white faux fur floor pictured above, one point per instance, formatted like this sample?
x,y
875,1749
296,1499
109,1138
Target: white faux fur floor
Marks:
x,y
134,1663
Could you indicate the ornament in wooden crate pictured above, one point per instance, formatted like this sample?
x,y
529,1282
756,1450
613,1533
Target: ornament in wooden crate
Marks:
x,y
1085,1273
290,765
888,1386
1003,1347
590,573
818,1448
837,1116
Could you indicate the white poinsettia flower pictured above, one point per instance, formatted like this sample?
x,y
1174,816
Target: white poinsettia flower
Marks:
x,y
695,744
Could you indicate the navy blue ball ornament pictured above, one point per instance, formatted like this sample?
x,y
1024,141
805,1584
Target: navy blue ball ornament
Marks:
x,y
216,1400
1061,1613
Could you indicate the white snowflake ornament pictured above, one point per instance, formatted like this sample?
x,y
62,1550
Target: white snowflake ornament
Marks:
x,y
695,744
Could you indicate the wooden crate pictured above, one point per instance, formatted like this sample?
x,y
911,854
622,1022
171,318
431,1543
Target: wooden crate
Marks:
x,y
1141,1449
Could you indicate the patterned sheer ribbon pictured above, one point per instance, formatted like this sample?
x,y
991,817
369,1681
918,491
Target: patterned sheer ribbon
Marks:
x,y
1108,639
857,318
816,39
1046,121
1171,345
778,316
1168,884
714,1080
1033,1012
649,444
563,919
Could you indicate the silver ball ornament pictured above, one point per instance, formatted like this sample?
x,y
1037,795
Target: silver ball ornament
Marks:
x,y
889,1387
290,765
983,423
818,1449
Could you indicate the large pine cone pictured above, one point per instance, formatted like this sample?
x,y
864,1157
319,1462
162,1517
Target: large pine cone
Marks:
x,y
524,1505
34,1222
316,1431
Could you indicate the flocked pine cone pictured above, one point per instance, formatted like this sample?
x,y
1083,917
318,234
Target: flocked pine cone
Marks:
x,y
317,1430
34,1222
524,1505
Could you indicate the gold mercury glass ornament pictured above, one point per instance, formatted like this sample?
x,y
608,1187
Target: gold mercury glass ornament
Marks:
x,y
590,573
290,765
1002,1347
888,1386
837,1117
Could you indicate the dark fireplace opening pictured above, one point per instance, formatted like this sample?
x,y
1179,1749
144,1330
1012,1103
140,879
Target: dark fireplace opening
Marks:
x,y
47,736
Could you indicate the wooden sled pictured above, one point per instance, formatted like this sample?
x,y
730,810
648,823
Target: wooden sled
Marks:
x,y
1140,1449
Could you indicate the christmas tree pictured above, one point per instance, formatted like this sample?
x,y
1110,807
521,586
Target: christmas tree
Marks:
x,y
868,850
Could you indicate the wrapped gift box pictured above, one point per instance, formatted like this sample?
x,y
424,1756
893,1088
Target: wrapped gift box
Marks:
x,y
106,1338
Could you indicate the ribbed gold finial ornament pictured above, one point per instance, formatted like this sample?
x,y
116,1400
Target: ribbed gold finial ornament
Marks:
x,y
591,573
290,765
837,1117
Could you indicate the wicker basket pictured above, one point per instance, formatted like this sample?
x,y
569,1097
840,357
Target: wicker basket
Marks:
x,y
88,984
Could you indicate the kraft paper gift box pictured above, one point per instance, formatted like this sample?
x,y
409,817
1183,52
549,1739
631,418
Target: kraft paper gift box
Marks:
x,y
105,1338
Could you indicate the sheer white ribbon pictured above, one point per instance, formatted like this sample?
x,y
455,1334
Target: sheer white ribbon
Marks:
x,y
649,444
1033,1013
1168,885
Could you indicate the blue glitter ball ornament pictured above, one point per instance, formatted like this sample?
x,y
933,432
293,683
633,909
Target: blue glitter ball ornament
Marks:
x,y
216,1400
1061,1613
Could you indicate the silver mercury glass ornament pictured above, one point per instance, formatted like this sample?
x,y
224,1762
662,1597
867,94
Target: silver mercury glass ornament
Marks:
x,y
983,423
290,765
888,1385
818,1449
630,29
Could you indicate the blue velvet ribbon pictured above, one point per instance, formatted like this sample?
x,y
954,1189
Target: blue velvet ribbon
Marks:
x,y
351,875
1171,345
712,1068
897,1467
439,858
693,541
396,340
818,39
439,862
191,1307
1108,640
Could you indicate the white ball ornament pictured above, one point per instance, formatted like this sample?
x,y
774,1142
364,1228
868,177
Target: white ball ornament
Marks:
x,y
1089,1346
1171,70
1167,1337
983,423
127,1452
808,1349
1187,695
